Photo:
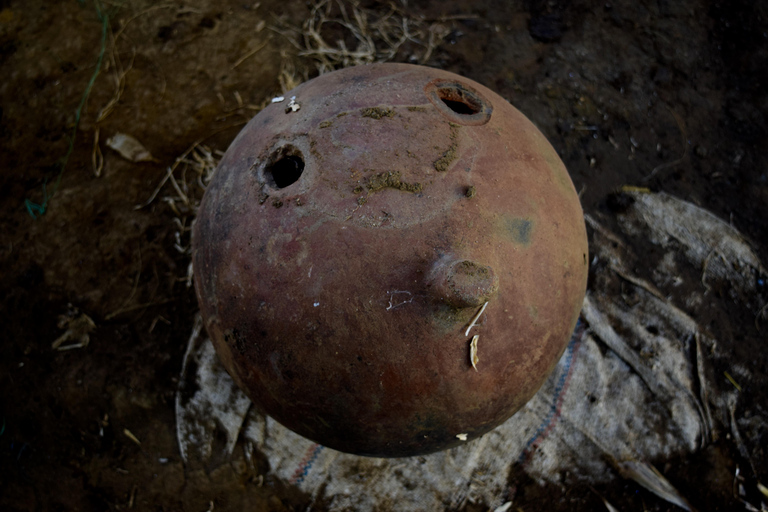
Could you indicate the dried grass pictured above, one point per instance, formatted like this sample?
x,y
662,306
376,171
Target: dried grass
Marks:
x,y
288,74
196,169
339,34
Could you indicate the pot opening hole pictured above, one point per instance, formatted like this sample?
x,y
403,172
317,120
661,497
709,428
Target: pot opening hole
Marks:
x,y
460,100
285,167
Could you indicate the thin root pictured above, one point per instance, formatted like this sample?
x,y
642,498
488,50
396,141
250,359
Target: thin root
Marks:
x,y
249,54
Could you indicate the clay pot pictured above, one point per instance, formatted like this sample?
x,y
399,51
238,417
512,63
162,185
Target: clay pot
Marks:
x,y
350,237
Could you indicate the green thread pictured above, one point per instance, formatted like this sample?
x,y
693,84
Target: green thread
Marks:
x,y
38,209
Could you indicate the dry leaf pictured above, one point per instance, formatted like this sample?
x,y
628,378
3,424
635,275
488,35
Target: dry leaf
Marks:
x,y
649,477
504,508
473,351
608,506
129,148
78,328
130,436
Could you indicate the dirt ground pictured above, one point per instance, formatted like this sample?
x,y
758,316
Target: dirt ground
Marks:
x,y
669,95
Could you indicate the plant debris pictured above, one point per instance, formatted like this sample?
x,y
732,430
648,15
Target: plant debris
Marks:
x,y
379,35
78,328
130,436
130,148
293,106
475,318
473,351
649,477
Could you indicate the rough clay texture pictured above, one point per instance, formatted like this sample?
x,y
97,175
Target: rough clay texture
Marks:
x,y
318,295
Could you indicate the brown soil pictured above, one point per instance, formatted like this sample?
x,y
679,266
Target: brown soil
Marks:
x,y
668,95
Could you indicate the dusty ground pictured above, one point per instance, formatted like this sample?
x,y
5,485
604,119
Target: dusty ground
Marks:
x,y
666,95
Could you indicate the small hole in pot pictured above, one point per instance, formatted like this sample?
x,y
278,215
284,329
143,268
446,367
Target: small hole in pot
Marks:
x,y
460,100
285,169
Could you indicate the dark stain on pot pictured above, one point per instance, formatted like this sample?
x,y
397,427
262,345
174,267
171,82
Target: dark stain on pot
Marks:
x,y
430,430
233,338
519,229
283,366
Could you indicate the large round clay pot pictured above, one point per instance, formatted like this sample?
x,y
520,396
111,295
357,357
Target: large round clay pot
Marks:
x,y
354,231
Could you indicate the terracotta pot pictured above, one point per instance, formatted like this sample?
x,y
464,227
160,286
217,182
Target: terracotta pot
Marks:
x,y
350,237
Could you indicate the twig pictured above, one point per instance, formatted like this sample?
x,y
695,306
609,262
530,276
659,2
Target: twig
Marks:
x,y
175,184
475,318
97,159
130,436
249,54
155,320
732,381
642,283
137,306
132,497
176,163
436,35
457,17
603,231
142,13
737,437
120,75
757,317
